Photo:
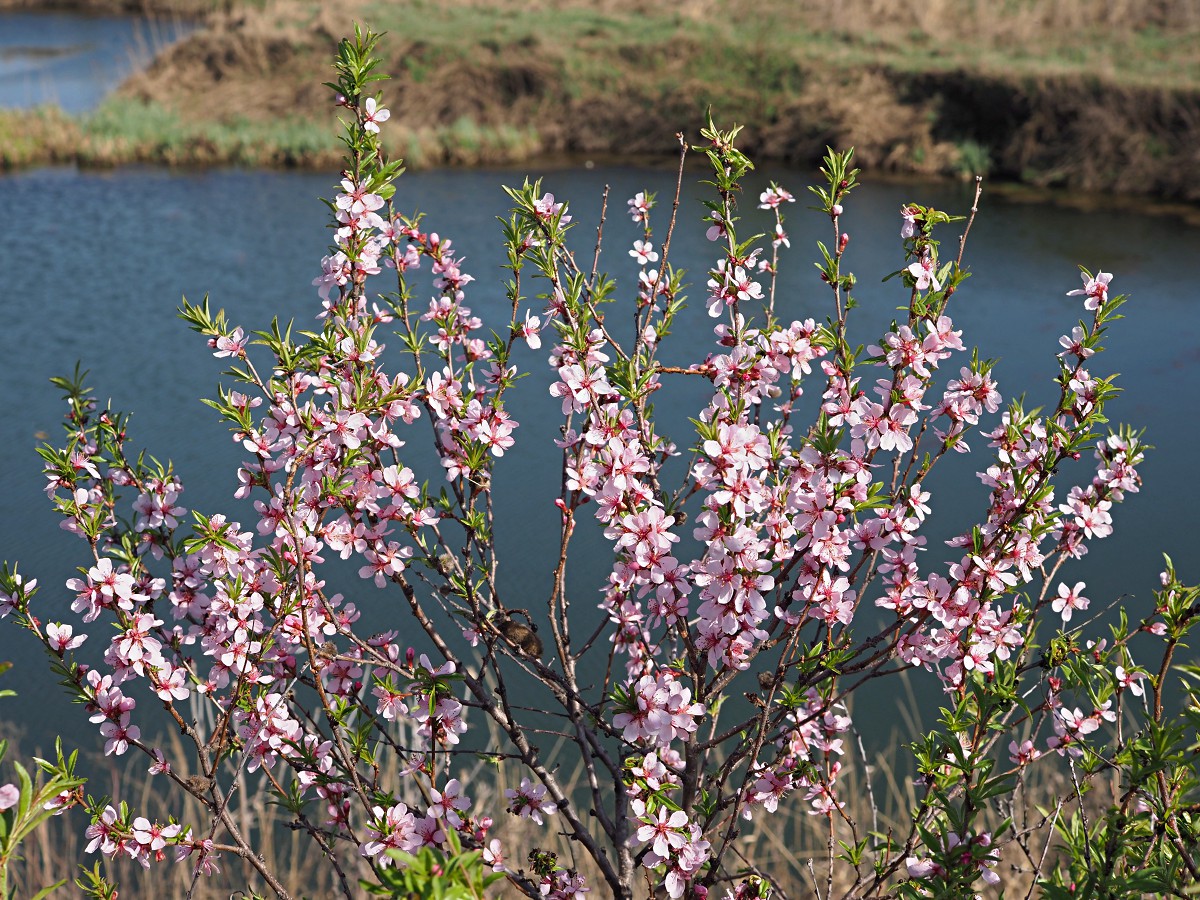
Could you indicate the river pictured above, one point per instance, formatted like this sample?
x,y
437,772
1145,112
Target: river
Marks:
x,y
73,61
96,263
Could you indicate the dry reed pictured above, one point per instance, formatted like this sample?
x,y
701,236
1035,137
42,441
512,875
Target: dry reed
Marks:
x,y
790,847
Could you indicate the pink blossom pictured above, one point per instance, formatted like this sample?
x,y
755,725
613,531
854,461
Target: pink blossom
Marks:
x,y
160,766
391,829
373,114
493,855
1022,753
448,803
661,831
643,252
1069,600
61,638
1129,680
925,272
11,601
716,231
529,331
659,708
1095,288
529,801
773,197
921,868
356,200
100,833
546,209
639,206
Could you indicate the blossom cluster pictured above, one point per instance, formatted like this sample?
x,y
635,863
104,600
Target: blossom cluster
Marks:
x,y
786,541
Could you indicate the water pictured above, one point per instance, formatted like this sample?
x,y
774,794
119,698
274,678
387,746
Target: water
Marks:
x,y
72,60
96,274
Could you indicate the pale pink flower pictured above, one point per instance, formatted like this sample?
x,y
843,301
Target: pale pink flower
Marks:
x,y
1095,288
925,271
99,833
639,206
448,803
1069,600
391,829
529,801
1130,681
160,766
1022,753
493,853
547,209
232,344
773,197
529,331
716,230
663,831
643,252
61,639
374,114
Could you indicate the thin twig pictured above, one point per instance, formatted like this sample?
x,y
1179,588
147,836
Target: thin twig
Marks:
x,y
962,241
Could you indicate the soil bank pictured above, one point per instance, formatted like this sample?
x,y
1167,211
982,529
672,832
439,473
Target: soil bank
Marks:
x,y
502,82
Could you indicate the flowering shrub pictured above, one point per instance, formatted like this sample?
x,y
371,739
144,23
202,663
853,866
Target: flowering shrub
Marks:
x,y
802,580
26,804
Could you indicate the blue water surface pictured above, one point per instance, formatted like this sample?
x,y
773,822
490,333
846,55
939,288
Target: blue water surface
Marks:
x,y
73,61
97,262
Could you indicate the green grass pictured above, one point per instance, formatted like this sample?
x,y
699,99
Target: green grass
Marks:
x,y
124,130
765,47
756,62
151,132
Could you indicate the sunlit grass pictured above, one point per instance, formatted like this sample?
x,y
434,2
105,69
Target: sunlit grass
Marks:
x,y
764,42
504,80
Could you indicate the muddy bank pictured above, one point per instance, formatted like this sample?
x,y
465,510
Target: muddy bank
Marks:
x,y
1075,132
1081,133
499,84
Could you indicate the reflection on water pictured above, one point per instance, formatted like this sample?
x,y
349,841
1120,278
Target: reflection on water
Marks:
x,y
73,61
97,273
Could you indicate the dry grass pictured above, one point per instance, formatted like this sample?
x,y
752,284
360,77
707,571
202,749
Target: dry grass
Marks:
x,y
1093,95
790,846
55,851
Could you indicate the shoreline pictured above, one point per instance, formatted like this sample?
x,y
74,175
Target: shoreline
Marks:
x,y
1188,213
187,9
507,83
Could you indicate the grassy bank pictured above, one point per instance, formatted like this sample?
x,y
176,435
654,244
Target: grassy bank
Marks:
x,y
1097,95
124,131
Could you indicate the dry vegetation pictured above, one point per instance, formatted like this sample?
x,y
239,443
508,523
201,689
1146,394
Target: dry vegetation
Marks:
x,y
1094,95
791,847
